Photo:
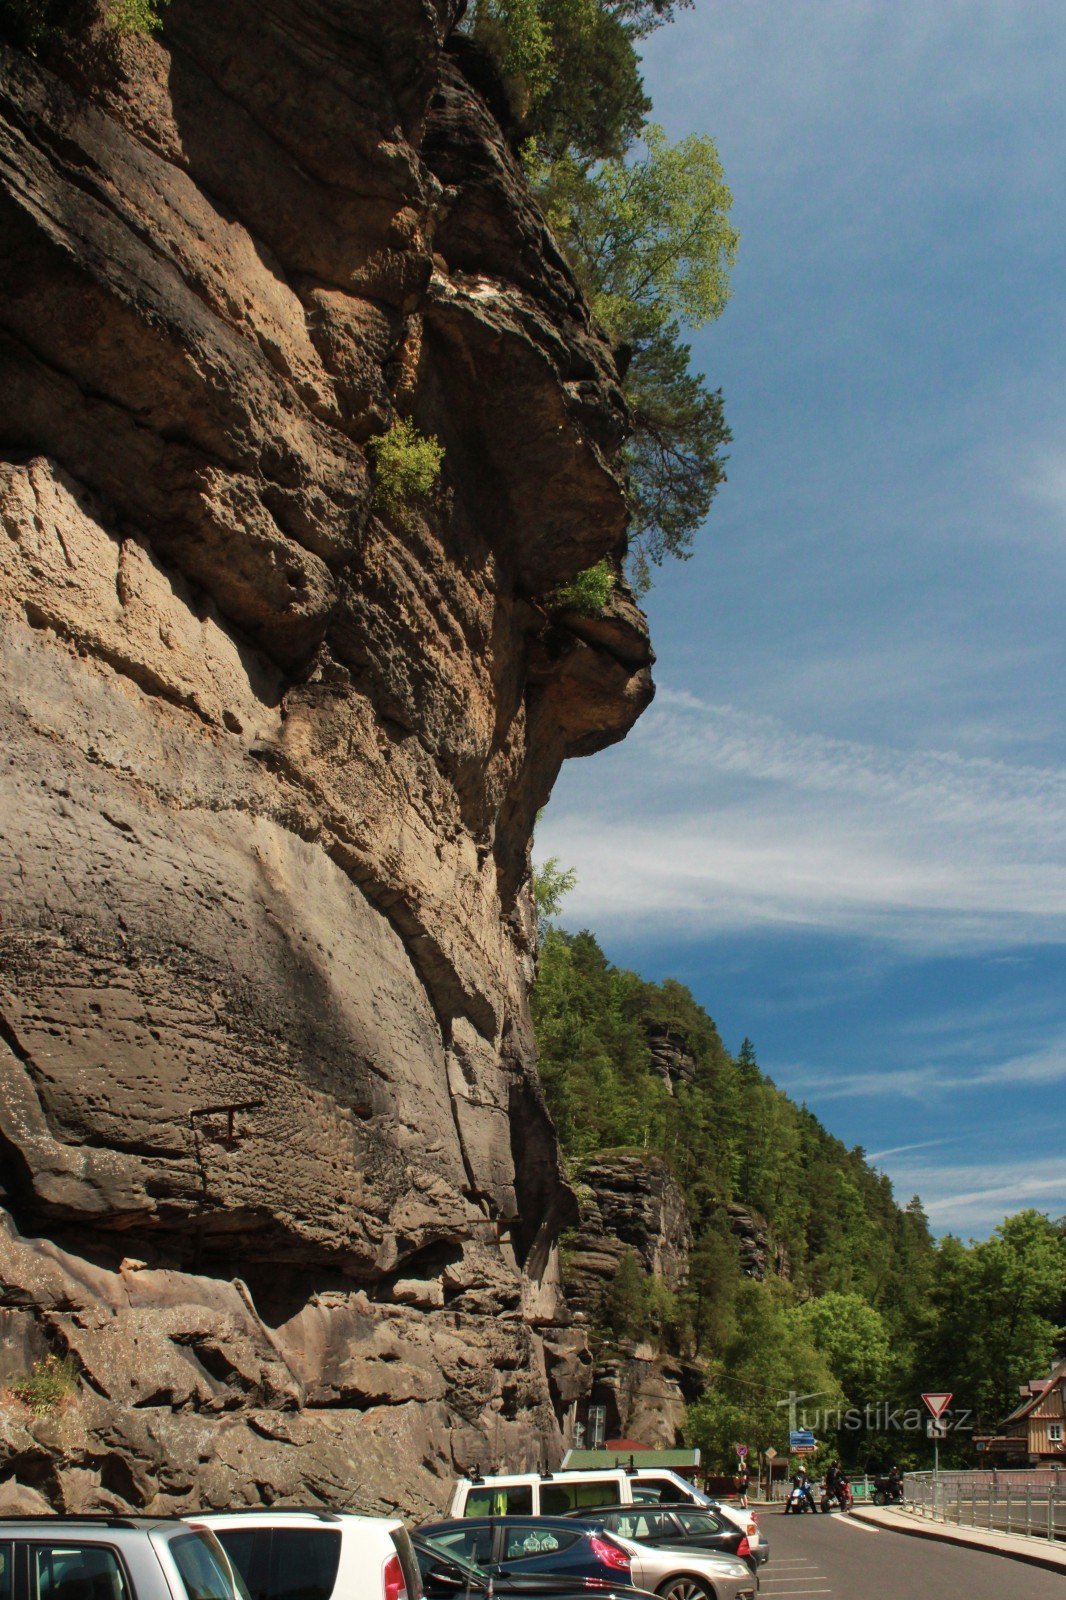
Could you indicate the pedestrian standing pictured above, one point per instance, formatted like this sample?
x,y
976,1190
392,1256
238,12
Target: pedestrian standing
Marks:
x,y
743,1482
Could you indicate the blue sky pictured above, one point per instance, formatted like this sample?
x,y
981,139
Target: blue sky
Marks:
x,y
842,822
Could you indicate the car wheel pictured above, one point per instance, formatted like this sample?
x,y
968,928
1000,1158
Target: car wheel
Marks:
x,y
686,1588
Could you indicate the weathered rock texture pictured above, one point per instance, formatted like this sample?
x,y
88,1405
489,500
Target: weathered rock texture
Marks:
x,y
270,756
671,1054
645,1395
629,1202
759,1252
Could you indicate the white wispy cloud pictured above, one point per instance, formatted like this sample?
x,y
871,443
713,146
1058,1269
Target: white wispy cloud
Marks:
x,y
734,821
930,1081
973,1198
903,1149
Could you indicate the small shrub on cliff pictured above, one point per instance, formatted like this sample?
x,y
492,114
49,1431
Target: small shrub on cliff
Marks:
x,y
135,16
408,464
51,1381
587,593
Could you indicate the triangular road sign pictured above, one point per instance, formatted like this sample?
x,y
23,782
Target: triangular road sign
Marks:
x,y
937,1403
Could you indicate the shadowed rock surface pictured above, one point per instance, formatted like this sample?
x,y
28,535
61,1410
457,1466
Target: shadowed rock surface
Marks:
x,y
277,1166
630,1202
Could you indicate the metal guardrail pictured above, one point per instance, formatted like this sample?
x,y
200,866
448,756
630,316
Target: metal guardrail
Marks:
x,y
1030,1503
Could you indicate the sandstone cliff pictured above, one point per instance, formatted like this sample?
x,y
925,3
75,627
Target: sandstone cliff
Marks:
x,y
277,1169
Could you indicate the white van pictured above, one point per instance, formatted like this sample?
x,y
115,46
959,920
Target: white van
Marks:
x,y
553,1494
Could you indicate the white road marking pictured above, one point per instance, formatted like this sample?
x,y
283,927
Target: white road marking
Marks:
x,y
863,1527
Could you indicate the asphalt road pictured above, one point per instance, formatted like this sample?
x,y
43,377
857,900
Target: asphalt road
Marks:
x,y
837,1558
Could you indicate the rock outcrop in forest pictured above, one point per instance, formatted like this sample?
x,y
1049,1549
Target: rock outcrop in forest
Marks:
x,y
281,1193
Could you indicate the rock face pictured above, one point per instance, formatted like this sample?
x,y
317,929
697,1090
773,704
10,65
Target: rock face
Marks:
x,y
759,1253
671,1055
629,1202
645,1396
276,1161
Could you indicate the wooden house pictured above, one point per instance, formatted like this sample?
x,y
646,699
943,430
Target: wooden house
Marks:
x,y
1034,1434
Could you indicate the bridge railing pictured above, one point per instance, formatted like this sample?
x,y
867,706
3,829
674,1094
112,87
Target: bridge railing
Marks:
x,y
1031,1503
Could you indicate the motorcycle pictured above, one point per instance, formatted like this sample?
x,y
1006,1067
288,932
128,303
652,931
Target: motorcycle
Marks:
x,y
888,1492
841,1496
799,1499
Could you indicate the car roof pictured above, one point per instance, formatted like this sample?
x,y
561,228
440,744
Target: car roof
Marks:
x,y
291,1516
430,1528
87,1523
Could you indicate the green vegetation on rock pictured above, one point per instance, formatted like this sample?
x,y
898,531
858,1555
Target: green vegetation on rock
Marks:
x,y
35,25
408,464
51,1381
587,592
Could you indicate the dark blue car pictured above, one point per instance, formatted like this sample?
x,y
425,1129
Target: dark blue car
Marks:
x,y
535,1545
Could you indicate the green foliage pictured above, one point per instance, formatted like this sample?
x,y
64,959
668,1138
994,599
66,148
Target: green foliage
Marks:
x,y
408,464
35,25
765,1357
51,1381
571,70
651,237
135,16
997,1307
850,1334
713,1284
652,243
675,457
586,593
627,1301
551,884
646,226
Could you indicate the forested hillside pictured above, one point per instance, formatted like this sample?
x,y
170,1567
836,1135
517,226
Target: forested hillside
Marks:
x,y
860,1304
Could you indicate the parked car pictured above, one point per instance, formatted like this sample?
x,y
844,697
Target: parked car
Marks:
x,y
557,1493
534,1545
449,1577
111,1558
316,1554
522,1545
683,1527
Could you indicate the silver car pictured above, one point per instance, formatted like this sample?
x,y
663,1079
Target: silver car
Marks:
x,y
111,1558
688,1574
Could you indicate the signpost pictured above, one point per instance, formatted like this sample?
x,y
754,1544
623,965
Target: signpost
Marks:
x,y
936,1430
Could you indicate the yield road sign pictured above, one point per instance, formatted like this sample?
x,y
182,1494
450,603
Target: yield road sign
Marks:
x,y
937,1403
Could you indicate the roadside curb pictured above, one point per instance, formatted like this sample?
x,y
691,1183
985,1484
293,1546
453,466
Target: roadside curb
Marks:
x,y
967,1538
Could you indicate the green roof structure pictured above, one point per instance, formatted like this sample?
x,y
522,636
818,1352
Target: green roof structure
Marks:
x,y
597,1460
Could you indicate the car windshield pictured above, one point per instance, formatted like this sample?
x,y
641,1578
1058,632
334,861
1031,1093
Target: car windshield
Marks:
x,y
436,1551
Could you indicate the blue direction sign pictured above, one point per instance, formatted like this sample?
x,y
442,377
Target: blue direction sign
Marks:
x,y
801,1439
